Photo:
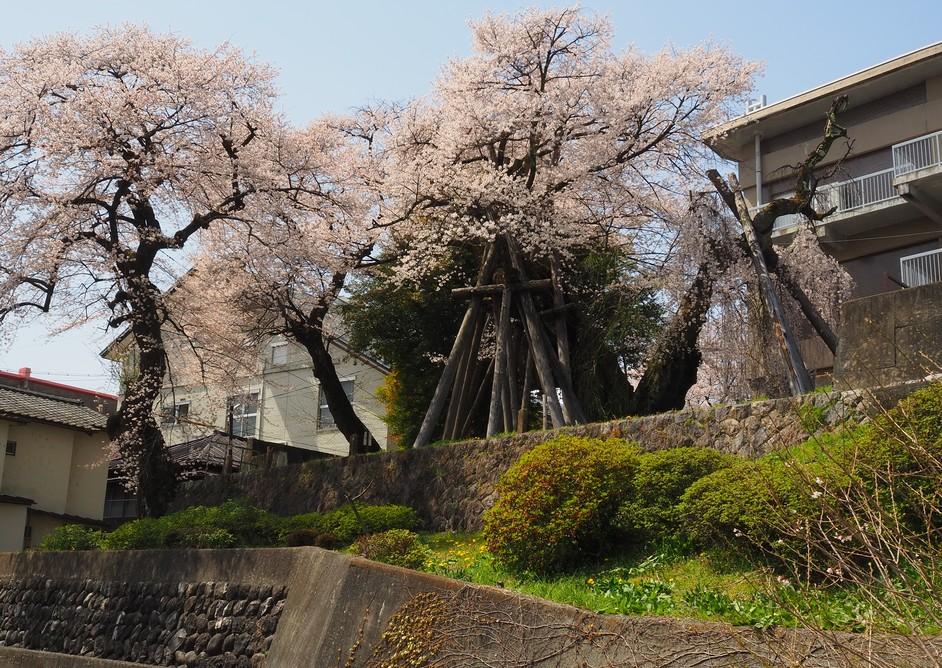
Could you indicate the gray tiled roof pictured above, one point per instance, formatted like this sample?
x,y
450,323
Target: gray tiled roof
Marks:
x,y
30,406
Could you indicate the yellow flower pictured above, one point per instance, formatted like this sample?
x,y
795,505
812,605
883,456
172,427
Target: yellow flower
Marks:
x,y
591,581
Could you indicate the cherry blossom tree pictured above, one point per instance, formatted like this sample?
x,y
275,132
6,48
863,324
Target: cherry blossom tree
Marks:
x,y
116,150
543,142
280,268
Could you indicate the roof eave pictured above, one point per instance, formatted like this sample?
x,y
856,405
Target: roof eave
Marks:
x,y
718,138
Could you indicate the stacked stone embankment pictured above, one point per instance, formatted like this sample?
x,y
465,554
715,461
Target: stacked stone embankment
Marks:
x,y
159,623
451,484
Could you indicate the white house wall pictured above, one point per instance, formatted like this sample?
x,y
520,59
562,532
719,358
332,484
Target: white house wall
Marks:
x,y
288,403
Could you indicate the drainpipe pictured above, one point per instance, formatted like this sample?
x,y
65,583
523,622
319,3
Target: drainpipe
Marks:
x,y
758,169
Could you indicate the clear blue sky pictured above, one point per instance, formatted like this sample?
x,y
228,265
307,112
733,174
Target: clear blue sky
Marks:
x,y
336,55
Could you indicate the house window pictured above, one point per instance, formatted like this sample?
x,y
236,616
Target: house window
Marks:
x,y
324,418
279,354
11,448
28,537
244,411
176,413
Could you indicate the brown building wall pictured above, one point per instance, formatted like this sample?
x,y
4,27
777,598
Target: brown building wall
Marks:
x,y
872,127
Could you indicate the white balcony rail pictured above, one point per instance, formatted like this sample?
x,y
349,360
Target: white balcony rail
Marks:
x,y
921,268
848,195
919,153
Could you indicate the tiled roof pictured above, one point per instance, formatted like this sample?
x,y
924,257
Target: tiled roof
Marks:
x,y
34,407
208,450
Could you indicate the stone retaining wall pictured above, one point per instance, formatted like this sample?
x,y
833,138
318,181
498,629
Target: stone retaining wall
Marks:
x,y
450,485
166,623
346,612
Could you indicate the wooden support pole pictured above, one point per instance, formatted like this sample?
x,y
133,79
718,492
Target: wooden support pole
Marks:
x,y
513,361
462,390
562,334
462,340
478,398
523,411
798,379
537,340
498,387
497,289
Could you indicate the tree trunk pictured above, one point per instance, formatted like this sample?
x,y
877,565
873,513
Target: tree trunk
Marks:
x,y
148,467
345,418
788,281
547,364
798,379
498,387
462,340
671,368
523,411
464,384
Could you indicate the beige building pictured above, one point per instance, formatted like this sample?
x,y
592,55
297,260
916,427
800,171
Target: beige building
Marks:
x,y
281,403
54,467
886,229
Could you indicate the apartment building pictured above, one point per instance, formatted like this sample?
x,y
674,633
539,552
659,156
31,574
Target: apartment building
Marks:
x,y
887,193
281,403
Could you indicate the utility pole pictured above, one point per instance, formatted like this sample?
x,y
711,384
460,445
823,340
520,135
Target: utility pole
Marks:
x,y
227,462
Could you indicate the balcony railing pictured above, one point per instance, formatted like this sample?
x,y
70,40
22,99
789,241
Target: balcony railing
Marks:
x,y
848,195
908,156
921,268
919,153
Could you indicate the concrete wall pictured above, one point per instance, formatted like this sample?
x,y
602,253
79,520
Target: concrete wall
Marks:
x,y
890,338
451,485
41,468
345,611
289,398
12,526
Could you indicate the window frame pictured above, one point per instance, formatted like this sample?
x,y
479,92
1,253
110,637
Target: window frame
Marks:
x,y
282,346
10,452
322,406
171,415
243,399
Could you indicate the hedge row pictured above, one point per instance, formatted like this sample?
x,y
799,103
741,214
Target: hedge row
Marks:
x,y
236,524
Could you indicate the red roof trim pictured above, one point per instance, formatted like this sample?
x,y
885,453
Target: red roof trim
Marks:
x,y
52,383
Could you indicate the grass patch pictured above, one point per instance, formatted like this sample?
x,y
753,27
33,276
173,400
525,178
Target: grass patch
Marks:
x,y
668,579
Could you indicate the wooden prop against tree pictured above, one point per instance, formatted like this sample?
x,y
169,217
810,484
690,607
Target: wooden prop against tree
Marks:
x,y
757,242
520,345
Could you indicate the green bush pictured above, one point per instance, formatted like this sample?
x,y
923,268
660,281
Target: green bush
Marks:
x,y
236,524
200,538
660,481
249,526
301,537
346,524
399,547
146,533
763,504
555,505
303,522
899,460
70,537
